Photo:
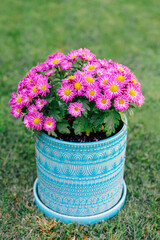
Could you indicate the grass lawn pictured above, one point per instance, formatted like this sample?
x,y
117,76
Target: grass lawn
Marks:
x,y
125,31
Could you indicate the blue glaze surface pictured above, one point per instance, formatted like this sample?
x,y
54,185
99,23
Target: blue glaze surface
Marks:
x,y
84,220
80,179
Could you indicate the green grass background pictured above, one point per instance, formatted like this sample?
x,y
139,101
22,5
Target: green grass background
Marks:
x,y
125,31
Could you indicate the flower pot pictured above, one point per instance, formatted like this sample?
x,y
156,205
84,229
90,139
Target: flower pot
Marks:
x,y
80,182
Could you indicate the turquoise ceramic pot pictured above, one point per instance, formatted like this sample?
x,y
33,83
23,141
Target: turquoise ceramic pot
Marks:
x,y
80,182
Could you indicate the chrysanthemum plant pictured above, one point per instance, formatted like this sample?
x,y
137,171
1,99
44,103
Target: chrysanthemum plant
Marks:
x,y
76,91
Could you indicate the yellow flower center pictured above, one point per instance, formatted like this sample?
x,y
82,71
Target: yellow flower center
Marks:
x,y
88,58
132,92
120,69
120,78
121,101
83,53
73,56
77,85
114,88
71,77
67,91
91,67
36,120
49,123
43,88
133,80
92,92
34,89
104,82
55,61
18,110
76,108
89,79
27,98
19,99
29,80
103,101
41,103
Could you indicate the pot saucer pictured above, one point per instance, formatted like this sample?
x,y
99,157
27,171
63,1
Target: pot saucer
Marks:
x,y
85,219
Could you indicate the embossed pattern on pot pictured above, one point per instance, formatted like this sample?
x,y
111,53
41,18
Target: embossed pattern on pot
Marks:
x,y
80,179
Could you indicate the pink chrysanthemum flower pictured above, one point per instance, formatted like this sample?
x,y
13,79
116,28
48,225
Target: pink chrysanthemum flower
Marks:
x,y
49,124
113,88
121,103
100,71
40,103
89,79
17,100
92,92
69,79
66,92
121,68
43,87
72,56
36,120
66,65
132,94
49,73
103,80
141,99
79,86
33,91
32,109
91,67
75,109
122,77
103,63
16,111
86,55
27,121
56,60
134,82
103,102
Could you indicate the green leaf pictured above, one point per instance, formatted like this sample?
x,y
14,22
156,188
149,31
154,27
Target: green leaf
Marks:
x,y
63,126
78,125
52,132
122,116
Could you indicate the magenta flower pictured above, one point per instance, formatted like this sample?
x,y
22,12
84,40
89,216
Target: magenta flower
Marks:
x,y
66,65
17,100
56,60
91,67
75,109
72,56
32,109
89,79
49,72
27,122
36,120
33,91
121,68
141,99
16,111
113,88
103,102
49,124
43,86
66,92
121,103
132,94
92,92
40,103
103,79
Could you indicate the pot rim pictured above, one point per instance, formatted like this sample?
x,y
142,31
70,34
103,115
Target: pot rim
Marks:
x,y
87,143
